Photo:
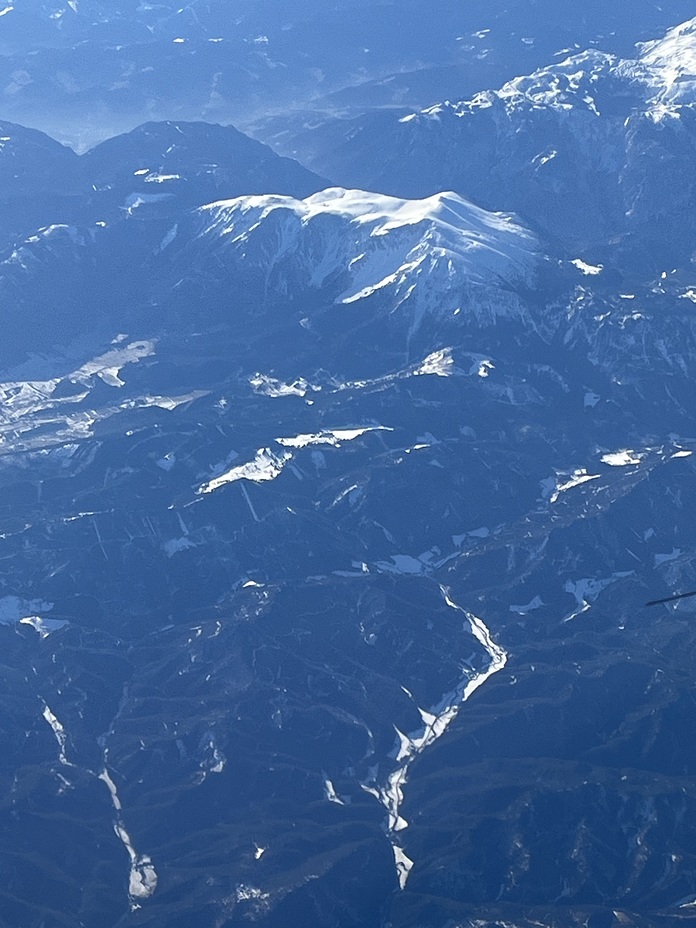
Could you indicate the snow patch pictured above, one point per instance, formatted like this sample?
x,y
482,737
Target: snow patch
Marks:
x,y
175,545
622,458
245,893
169,237
269,386
332,437
167,462
401,564
536,603
108,366
587,269
14,610
142,879
265,466
404,865
59,733
44,627
577,478
134,200
666,558
439,363
587,589
161,178
331,794
436,721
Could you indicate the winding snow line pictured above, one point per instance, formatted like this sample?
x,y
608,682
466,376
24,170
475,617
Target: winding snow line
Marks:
x,y
59,733
142,879
436,721
497,654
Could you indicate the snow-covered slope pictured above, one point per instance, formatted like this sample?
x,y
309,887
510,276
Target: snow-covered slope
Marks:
x,y
347,264
579,81
84,69
433,256
582,149
291,508
672,63
592,80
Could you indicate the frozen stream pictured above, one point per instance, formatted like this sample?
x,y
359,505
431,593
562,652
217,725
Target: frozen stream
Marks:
x,y
436,721
142,880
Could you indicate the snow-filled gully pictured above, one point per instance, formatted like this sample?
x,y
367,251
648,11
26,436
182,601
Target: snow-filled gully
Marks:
x,y
142,880
436,721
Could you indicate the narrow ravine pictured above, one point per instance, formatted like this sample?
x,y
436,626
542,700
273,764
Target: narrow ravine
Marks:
x,y
142,880
436,721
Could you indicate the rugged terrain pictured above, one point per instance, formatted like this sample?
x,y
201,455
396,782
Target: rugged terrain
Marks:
x,y
85,70
329,516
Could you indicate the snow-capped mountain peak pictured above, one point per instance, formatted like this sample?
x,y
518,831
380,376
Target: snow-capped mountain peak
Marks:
x,y
672,63
579,82
675,52
367,243
570,147
665,66
562,85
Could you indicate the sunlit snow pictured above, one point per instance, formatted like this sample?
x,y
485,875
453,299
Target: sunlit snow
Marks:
x,y
587,269
268,464
440,363
59,733
44,626
436,721
577,478
399,242
329,437
142,879
265,466
13,609
622,458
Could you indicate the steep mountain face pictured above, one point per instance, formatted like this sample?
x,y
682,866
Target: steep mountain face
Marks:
x,y
328,519
368,263
414,263
192,163
37,175
173,165
551,146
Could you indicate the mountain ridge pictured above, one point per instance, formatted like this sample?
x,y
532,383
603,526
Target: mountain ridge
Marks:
x,y
328,518
548,146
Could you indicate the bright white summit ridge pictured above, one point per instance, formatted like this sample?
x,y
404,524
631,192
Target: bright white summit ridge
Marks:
x,y
657,81
431,254
674,58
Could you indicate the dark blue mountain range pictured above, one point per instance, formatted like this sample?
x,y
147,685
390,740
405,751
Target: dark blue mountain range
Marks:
x,y
330,502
